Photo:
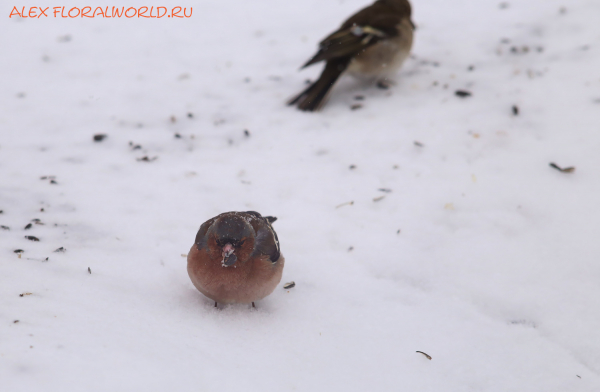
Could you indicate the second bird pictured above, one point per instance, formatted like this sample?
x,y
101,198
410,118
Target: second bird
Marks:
x,y
371,44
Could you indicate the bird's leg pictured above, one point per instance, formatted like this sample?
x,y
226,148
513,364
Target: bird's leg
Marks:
x,y
253,305
215,304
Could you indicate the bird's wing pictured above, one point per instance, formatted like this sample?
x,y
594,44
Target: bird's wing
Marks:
x,y
360,31
201,236
266,241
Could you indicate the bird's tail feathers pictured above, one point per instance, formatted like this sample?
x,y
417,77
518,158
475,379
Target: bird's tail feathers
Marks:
x,y
312,98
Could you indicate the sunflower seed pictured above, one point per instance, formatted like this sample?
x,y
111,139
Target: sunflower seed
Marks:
x,y
427,355
462,93
564,170
289,285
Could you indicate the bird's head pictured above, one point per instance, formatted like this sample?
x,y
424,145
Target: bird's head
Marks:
x,y
231,239
401,6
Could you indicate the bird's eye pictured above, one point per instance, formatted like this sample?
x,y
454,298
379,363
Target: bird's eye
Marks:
x,y
242,242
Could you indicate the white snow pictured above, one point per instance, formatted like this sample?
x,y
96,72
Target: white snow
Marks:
x,y
495,272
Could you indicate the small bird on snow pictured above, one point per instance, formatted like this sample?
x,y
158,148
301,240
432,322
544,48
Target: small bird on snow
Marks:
x,y
372,44
236,258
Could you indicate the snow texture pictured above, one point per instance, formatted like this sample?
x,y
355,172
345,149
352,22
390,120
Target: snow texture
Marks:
x,y
461,241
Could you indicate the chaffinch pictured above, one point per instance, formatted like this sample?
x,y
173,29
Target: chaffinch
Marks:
x,y
236,258
372,44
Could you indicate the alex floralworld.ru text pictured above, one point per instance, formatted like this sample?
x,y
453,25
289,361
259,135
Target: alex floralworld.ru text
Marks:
x,y
99,12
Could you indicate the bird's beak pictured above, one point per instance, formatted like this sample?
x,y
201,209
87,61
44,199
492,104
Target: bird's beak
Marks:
x,y
229,258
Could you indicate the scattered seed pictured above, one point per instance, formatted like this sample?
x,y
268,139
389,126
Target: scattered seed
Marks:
x,y
177,136
37,221
135,146
60,250
418,144
53,182
348,203
462,93
379,198
352,167
359,97
578,375
350,249
515,110
246,133
386,190
146,159
18,251
564,170
471,68
426,355
46,259
99,137
24,294
5,227
184,255
32,238
89,270
289,285
29,225
1,212
503,5
524,322
16,321
398,232
356,106
190,115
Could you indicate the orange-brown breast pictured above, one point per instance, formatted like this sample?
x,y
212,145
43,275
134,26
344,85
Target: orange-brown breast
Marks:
x,y
244,282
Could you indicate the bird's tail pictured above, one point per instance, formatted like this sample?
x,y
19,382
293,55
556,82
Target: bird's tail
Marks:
x,y
312,98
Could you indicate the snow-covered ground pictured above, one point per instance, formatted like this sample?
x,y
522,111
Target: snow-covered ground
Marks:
x,y
479,253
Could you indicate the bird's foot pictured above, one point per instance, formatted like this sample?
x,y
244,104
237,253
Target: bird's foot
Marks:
x,y
383,84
